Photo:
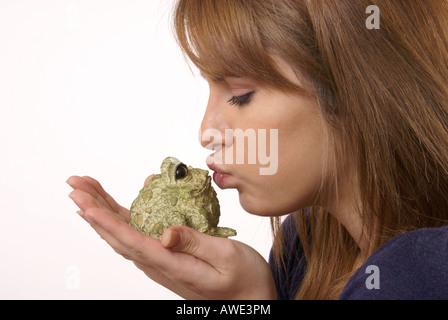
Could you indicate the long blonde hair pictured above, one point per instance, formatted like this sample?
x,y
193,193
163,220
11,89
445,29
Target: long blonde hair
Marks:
x,y
383,94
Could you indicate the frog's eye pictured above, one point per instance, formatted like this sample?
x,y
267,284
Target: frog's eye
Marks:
x,y
181,171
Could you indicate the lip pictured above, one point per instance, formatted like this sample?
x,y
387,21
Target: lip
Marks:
x,y
222,180
220,177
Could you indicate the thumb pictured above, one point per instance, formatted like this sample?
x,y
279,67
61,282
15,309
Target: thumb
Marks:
x,y
182,239
190,241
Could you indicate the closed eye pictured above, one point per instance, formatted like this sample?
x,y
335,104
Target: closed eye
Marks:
x,y
240,101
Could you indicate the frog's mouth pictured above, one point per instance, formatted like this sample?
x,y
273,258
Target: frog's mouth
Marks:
x,y
205,188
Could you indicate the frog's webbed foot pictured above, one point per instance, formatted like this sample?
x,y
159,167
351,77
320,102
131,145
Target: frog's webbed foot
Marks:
x,y
223,232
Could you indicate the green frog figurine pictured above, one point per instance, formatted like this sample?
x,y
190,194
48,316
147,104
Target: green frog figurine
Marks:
x,y
178,196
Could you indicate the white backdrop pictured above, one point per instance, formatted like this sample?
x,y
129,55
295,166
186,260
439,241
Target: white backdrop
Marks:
x,y
99,88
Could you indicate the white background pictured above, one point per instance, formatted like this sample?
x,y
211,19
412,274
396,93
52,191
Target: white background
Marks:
x,y
99,88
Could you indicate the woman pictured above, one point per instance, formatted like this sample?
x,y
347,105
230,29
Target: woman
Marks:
x,y
362,122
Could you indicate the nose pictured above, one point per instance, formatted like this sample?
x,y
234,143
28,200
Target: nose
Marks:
x,y
213,126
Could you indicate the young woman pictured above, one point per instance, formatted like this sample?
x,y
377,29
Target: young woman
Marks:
x,y
362,122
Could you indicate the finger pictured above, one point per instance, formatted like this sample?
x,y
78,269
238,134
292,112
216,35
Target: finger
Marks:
x,y
83,184
124,212
94,188
86,201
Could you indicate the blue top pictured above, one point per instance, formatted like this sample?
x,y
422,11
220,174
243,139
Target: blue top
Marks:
x,y
413,266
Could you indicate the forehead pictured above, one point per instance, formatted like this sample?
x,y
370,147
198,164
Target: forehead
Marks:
x,y
227,38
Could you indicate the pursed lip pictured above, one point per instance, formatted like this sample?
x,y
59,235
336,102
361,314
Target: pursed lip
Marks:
x,y
220,176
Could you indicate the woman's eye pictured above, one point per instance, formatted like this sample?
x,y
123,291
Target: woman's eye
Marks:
x,y
240,100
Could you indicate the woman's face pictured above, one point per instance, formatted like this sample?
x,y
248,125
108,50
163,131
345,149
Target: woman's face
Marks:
x,y
279,174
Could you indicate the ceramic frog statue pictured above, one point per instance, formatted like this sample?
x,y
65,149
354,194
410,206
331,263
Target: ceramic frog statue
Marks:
x,y
179,195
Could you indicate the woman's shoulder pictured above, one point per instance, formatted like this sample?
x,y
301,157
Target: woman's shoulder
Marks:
x,y
413,265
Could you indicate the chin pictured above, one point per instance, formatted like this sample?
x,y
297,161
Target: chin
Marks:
x,y
264,207
268,206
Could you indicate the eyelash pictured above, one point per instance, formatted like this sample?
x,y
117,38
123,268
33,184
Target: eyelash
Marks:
x,y
240,101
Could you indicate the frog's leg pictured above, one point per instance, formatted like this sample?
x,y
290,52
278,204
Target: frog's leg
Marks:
x,y
223,232
204,223
197,220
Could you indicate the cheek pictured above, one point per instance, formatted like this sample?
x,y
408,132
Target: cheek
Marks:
x,y
290,189
297,181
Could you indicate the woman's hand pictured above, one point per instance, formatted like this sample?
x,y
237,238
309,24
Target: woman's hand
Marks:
x,y
192,264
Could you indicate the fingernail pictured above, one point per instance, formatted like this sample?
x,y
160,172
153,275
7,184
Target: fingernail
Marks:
x,y
166,239
70,195
170,239
80,212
